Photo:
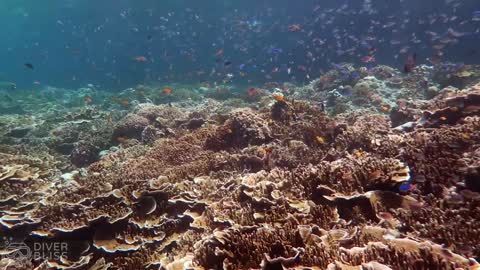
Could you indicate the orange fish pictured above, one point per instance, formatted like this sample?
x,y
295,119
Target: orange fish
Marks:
x,y
87,100
358,153
320,139
385,215
139,59
294,27
368,59
167,91
325,79
125,102
219,52
385,108
278,97
252,92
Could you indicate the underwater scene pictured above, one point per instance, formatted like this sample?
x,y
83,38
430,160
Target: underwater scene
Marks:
x,y
240,134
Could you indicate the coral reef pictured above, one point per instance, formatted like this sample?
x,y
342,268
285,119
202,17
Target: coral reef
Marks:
x,y
375,171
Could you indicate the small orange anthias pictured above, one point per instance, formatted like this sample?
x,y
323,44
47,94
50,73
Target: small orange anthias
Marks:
x,y
167,91
251,92
320,139
385,108
139,59
294,27
87,100
278,97
125,102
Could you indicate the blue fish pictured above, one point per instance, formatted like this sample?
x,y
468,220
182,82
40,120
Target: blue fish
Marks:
x,y
340,68
241,66
405,187
273,50
337,66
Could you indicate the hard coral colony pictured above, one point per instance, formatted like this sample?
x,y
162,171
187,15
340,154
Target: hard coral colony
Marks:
x,y
369,167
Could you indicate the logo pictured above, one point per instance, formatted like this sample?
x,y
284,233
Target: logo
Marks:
x,y
23,253
19,252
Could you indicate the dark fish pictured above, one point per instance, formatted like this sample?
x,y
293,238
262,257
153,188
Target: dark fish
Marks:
x,y
227,63
355,75
345,92
29,65
410,63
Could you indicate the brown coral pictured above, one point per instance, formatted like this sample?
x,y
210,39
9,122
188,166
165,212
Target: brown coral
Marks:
x,y
243,128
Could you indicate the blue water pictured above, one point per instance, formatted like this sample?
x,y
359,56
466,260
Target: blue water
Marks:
x,y
72,43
